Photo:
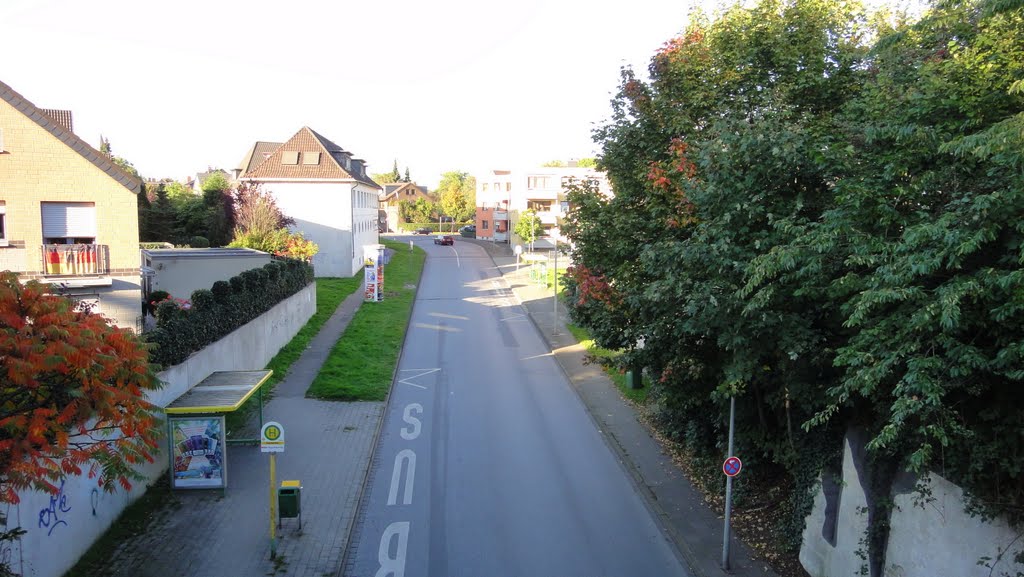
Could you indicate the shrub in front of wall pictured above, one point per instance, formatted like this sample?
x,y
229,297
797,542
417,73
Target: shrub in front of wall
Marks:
x,y
221,291
214,313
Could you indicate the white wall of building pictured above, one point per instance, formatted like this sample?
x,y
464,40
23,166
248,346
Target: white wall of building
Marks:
x,y
324,213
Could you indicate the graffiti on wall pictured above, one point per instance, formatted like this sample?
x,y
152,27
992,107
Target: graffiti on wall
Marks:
x,y
54,514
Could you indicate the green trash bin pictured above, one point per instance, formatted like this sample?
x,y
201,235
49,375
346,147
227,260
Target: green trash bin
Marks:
x,y
635,378
289,501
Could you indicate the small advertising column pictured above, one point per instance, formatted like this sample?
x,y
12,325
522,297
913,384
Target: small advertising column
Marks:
x,y
373,272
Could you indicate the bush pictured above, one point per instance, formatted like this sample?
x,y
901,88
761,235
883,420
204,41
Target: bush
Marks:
x,y
199,242
185,327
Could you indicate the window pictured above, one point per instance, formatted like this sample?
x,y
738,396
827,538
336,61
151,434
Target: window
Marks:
x,y
537,182
290,157
3,223
483,224
508,186
483,187
69,222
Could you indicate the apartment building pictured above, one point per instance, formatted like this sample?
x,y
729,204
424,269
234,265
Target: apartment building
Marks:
x,y
502,195
68,214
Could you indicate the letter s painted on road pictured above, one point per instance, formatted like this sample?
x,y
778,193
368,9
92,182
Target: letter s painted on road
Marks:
x,y
410,433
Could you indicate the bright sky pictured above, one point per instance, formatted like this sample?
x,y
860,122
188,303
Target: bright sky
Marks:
x,y
443,85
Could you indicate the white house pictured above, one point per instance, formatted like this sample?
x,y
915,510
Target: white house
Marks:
x,y
325,190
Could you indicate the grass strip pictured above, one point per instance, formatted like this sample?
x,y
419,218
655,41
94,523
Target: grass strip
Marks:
x,y
607,358
362,363
330,291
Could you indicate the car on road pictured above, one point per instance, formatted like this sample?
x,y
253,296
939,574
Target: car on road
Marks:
x,y
444,239
424,230
468,231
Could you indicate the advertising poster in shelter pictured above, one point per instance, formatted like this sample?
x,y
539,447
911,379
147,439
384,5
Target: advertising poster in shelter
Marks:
x,y
197,453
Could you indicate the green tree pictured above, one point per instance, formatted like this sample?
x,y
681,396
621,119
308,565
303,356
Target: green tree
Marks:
x,y
394,175
589,162
406,177
554,164
456,195
529,227
162,217
120,162
827,233
695,156
220,220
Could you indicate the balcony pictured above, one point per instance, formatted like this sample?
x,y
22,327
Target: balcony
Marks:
x,y
75,264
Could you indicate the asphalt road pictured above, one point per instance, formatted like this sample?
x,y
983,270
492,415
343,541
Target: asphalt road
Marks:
x,y
488,463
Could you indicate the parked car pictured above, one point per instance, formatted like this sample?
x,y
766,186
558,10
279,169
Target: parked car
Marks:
x,y
424,230
444,239
468,231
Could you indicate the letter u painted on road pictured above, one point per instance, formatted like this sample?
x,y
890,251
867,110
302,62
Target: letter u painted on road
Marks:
x,y
405,456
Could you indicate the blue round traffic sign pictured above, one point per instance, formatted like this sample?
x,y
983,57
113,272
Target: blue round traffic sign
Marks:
x,y
732,466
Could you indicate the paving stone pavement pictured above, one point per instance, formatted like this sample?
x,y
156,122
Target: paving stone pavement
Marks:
x,y
204,533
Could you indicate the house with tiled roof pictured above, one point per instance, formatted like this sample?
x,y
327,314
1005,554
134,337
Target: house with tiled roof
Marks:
x,y
325,190
68,214
390,198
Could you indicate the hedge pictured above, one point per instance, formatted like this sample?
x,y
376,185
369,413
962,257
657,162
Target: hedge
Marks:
x,y
226,306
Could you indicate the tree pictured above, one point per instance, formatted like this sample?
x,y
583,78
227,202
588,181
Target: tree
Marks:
x,y
529,227
161,218
220,221
456,195
731,135
260,224
120,162
394,175
554,164
826,231
589,162
72,392
406,177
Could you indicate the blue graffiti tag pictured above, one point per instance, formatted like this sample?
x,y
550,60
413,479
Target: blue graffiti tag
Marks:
x,y
50,515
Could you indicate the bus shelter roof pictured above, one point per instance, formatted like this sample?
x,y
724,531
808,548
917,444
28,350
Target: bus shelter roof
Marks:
x,y
221,392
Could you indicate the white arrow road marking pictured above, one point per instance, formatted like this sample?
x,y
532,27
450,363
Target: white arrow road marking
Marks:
x,y
419,373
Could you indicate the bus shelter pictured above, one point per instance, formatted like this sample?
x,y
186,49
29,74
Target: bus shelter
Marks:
x,y
196,433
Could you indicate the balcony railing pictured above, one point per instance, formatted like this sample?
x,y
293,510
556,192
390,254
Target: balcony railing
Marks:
x,y
74,259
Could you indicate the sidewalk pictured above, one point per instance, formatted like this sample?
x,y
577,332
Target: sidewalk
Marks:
x,y
694,527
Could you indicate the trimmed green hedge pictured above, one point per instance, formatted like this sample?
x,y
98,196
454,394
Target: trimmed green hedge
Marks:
x,y
226,306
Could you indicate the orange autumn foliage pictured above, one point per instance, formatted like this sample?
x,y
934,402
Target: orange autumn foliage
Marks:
x,y
72,392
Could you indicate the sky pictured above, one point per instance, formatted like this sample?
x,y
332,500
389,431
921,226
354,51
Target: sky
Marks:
x,y
469,85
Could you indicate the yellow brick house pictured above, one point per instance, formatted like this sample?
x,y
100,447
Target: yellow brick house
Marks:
x,y
68,214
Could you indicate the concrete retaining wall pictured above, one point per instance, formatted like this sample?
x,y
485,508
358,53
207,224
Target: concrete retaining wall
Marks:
x,y
61,528
929,537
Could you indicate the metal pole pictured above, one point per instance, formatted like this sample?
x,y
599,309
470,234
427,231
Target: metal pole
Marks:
x,y
728,486
555,322
273,511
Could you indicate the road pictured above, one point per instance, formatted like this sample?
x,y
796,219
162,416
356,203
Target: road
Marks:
x,y
488,463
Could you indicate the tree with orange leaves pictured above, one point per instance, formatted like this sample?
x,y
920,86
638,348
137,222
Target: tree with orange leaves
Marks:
x,y
72,390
